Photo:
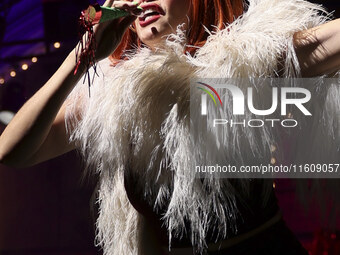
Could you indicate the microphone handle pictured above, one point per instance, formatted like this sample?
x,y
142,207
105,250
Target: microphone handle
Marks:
x,y
96,14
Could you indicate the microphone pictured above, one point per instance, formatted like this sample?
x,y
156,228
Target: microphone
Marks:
x,y
93,15
96,14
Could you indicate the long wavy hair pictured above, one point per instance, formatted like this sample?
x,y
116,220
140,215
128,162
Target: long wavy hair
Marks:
x,y
210,14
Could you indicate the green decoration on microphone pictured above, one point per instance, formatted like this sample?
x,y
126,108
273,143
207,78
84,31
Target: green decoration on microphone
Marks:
x,y
96,14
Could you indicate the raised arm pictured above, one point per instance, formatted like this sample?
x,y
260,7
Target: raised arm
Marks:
x,y
38,121
37,132
318,49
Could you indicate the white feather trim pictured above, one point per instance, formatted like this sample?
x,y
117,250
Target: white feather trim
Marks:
x,y
137,119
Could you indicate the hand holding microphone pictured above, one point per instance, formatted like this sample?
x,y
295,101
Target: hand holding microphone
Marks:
x,y
96,14
103,28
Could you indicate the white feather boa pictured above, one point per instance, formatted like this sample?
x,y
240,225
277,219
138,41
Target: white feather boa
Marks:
x,y
137,119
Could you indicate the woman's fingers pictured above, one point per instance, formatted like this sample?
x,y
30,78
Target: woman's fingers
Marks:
x,y
131,7
126,22
108,3
109,34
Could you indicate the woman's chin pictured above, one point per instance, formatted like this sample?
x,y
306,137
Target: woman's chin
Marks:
x,y
153,36
153,42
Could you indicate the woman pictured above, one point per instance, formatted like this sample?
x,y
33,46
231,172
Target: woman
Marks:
x,y
133,129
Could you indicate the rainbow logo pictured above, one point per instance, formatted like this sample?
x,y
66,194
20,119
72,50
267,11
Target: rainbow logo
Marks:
x,y
207,91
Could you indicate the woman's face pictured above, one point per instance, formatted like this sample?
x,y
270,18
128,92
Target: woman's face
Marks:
x,y
160,18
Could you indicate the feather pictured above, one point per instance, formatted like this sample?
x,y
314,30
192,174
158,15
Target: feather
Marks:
x,y
137,121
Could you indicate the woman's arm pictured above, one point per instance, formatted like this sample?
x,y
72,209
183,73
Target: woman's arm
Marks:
x,y
37,132
318,49
38,122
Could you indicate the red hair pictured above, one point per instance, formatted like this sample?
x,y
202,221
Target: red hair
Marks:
x,y
211,14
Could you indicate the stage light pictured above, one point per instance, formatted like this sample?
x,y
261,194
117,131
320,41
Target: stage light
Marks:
x,y
56,45
13,73
24,67
34,59
2,81
6,117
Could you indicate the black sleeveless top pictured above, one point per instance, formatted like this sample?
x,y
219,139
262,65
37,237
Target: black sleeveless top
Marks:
x,y
254,211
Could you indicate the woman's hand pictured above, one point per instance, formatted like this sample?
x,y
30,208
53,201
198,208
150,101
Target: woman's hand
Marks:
x,y
37,132
318,49
109,34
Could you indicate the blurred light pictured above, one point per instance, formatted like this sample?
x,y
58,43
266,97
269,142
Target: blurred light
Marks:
x,y
2,81
272,148
6,117
274,185
34,59
272,161
24,67
56,45
12,73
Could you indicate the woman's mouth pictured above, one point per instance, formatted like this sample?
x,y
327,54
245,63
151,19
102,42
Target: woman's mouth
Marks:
x,y
152,12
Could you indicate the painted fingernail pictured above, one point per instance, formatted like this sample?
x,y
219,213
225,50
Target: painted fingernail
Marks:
x,y
135,3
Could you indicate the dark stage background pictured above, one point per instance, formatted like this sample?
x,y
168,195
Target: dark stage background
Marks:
x,y
45,209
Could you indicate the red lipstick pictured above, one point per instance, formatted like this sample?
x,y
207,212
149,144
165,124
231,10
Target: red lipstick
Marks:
x,y
151,13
